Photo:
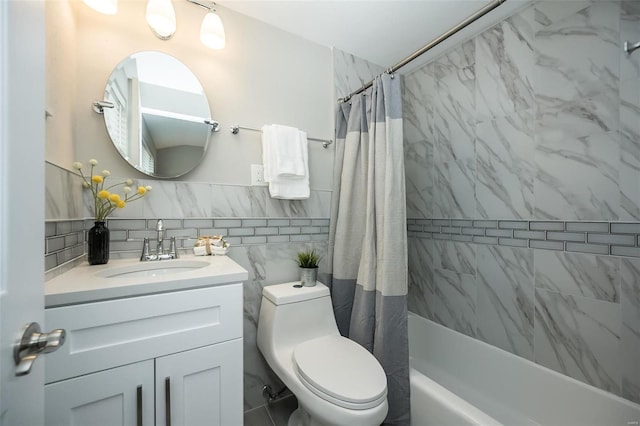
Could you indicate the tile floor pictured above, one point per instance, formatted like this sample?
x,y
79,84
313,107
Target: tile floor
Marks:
x,y
273,414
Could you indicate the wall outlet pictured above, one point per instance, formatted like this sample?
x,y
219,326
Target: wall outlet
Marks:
x,y
257,175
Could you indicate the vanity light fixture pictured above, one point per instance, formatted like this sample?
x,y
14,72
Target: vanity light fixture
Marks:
x,y
108,7
161,17
211,30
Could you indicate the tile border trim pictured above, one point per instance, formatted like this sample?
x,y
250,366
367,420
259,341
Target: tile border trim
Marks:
x,y
595,237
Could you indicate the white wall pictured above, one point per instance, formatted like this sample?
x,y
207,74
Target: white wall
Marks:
x,y
60,82
263,76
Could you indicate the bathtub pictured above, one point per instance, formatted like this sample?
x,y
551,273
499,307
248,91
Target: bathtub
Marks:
x,y
457,380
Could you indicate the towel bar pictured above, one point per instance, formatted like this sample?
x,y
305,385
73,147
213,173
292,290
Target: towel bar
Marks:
x,y
236,128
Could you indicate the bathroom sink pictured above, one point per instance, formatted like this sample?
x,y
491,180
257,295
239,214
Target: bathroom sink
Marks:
x,y
129,277
152,269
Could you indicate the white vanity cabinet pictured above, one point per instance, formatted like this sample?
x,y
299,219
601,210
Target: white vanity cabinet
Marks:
x,y
173,358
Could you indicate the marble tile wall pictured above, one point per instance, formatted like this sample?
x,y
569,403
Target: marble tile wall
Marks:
x,y
576,313
522,153
351,72
265,234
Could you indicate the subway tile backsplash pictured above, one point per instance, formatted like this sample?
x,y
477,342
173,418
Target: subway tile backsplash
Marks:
x,y
65,240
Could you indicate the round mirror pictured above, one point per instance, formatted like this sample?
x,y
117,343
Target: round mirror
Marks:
x,y
157,114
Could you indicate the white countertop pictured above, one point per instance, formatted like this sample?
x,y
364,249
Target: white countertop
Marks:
x,y
83,284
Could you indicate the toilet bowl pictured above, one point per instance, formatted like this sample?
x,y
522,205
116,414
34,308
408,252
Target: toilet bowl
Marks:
x,y
336,381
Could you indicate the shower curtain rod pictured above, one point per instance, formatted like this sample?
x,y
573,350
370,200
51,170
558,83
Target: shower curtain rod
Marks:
x,y
471,19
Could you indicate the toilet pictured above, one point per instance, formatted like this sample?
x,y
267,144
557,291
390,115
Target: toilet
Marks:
x,y
336,381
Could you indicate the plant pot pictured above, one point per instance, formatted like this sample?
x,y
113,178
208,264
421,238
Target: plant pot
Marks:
x,y
98,244
308,276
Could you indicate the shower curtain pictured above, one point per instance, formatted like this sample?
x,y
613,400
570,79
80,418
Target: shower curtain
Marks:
x,y
367,235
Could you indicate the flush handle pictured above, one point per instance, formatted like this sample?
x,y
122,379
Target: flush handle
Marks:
x,y
32,343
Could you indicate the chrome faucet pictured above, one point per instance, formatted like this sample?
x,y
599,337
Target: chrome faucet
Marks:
x,y
160,254
160,238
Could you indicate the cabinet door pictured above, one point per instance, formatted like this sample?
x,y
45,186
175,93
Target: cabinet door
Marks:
x,y
200,387
122,396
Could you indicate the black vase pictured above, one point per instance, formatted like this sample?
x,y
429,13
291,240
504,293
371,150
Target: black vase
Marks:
x,y
98,244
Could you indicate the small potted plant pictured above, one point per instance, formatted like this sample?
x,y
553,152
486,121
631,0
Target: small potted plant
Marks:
x,y
308,261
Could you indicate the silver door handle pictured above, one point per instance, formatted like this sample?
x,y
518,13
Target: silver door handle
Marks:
x,y
32,343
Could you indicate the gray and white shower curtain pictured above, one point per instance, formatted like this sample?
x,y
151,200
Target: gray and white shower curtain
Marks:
x,y
367,236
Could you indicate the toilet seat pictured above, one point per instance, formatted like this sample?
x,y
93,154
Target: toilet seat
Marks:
x,y
341,371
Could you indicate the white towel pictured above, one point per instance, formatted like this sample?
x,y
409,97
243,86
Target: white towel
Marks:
x,y
289,144
286,162
201,251
268,135
282,151
292,188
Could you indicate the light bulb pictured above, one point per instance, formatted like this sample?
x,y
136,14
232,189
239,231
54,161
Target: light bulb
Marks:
x,y
212,31
108,7
161,17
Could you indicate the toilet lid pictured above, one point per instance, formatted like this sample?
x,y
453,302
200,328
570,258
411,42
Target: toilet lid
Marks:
x,y
341,371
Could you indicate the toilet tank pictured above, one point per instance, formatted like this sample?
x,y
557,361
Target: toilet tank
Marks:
x,y
290,315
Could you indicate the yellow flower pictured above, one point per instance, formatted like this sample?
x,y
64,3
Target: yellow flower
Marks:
x,y
106,197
